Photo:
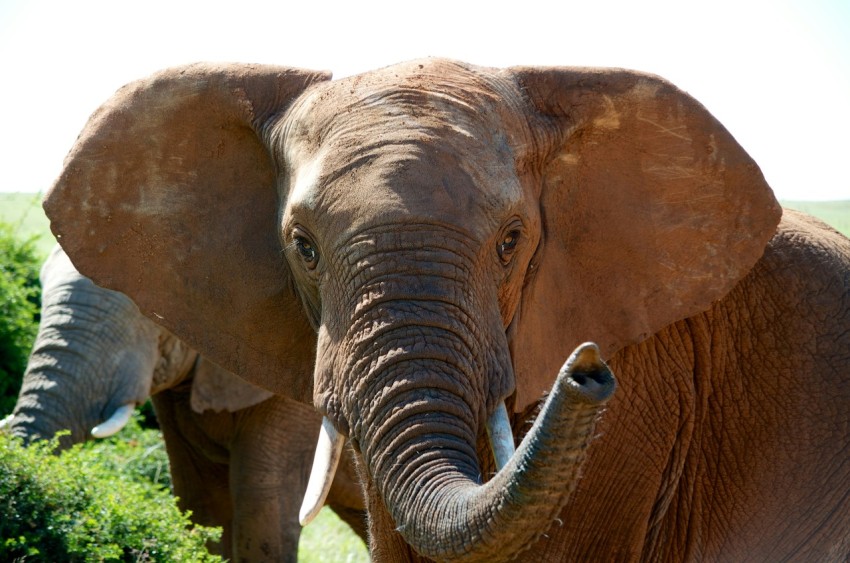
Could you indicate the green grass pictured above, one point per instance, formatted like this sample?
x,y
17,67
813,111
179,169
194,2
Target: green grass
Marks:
x,y
329,540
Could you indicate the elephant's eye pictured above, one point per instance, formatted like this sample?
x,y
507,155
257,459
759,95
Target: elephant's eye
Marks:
x,y
508,245
307,251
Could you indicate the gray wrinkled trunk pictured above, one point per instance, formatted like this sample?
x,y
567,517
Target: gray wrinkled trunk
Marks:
x,y
90,356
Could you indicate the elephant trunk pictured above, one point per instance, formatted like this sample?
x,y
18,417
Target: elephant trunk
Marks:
x,y
72,379
421,362
46,403
430,481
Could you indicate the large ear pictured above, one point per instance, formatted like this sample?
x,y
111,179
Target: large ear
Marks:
x,y
169,196
651,211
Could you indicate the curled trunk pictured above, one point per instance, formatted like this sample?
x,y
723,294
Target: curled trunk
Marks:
x,y
443,511
421,362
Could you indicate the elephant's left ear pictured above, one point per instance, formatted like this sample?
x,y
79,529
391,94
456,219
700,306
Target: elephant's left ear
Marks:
x,y
169,196
651,211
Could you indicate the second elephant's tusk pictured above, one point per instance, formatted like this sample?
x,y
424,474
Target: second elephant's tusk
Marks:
x,y
325,461
6,423
114,423
501,436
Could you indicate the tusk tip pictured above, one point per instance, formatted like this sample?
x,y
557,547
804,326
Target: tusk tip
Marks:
x,y
307,514
114,423
328,452
6,423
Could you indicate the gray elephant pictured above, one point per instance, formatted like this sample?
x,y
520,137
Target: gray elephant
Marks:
x,y
239,455
447,234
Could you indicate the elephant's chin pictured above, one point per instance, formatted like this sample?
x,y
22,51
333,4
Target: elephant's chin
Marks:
x,y
430,484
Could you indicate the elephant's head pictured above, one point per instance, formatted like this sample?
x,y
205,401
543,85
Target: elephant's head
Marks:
x,y
96,357
411,247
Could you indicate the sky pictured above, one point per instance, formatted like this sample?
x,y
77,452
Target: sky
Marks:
x,y
776,73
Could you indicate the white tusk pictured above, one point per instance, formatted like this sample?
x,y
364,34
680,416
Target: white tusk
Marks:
x,y
328,452
6,423
115,422
501,436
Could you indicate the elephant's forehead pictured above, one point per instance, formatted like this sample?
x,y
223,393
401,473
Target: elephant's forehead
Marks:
x,y
382,182
432,98
426,139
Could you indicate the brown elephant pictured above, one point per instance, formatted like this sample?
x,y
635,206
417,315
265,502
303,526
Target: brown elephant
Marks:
x,y
239,455
411,247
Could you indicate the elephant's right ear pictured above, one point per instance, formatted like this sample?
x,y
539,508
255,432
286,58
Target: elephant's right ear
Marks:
x,y
651,211
169,196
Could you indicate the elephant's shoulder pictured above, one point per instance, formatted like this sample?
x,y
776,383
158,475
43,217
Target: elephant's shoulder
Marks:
x,y
805,271
801,238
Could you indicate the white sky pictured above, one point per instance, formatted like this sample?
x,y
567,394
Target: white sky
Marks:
x,y
775,72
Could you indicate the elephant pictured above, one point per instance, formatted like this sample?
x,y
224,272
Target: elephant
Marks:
x,y
239,455
415,250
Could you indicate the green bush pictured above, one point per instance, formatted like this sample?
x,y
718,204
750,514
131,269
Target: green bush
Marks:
x,y
20,295
135,452
99,501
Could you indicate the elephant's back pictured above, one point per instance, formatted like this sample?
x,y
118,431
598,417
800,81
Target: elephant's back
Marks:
x,y
780,416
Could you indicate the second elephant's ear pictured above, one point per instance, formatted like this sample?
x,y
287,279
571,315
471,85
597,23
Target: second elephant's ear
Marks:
x,y
651,211
169,196
216,389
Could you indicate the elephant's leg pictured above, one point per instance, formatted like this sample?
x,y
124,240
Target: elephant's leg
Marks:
x,y
271,456
199,469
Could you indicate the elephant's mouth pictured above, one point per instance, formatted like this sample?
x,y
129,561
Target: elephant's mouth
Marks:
x,y
533,481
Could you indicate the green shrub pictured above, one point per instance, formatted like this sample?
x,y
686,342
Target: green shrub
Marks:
x,y
94,502
135,452
20,295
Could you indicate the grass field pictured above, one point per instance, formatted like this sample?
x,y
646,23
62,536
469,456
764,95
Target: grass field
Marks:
x,y
328,539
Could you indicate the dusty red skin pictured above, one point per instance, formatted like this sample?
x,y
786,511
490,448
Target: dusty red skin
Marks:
x,y
643,226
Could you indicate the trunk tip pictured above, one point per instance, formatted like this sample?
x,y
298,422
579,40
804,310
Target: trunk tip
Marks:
x,y
585,373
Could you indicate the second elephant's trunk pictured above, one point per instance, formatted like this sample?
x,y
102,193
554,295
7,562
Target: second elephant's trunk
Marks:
x,y
94,354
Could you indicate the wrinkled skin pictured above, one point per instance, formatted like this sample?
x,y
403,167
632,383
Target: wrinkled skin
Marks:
x,y
239,455
450,233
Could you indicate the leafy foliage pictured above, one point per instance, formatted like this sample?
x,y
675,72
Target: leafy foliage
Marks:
x,y
20,295
99,501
